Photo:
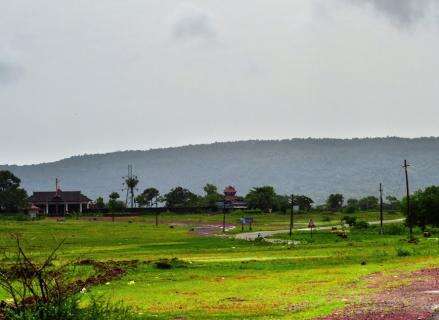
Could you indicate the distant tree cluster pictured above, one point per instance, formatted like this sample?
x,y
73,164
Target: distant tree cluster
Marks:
x,y
424,207
12,197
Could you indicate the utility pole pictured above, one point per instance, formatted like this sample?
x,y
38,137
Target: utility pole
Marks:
x,y
381,209
224,216
409,216
291,216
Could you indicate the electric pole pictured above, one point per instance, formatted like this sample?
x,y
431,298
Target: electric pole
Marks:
x,y
224,216
291,215
409,216
381,209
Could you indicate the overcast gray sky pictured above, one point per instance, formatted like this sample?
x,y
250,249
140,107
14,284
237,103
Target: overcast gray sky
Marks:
x,y
96,76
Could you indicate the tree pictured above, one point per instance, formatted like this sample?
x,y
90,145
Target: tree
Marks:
x,y
212,196
262,198
393,203
368,203
281,203
181,197
114,204
352,203
12,197
100,204
304,203
424,207
335,202
148,197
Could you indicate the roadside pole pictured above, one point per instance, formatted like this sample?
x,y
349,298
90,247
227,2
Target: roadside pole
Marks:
x,y
381,209
291,216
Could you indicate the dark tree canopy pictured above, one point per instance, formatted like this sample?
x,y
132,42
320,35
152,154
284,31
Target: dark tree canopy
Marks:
x,y
181,197
12,197
368,203
335,202
100,204
424,206
305,203
212,196
148,197
263,198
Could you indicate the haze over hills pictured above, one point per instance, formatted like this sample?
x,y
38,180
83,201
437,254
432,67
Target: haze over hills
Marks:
x,y
314,167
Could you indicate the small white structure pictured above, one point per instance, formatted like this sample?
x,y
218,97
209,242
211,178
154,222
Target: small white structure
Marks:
x,y
33,211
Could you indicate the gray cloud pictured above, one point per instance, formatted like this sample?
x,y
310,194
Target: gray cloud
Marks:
x,y
190,23
9,72
401,12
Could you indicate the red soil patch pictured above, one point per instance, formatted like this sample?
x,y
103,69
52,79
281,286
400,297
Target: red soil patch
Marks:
x,y
398,301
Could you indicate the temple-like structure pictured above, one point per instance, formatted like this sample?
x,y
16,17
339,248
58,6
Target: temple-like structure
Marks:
x,y
58,202
231,200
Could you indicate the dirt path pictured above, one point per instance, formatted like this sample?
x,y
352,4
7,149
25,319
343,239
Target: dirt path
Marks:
x,y
264,234
417,300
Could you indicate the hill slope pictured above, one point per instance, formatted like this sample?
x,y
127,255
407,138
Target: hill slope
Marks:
x,y
314,167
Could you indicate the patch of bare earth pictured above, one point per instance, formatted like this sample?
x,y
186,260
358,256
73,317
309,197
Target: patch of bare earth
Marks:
x,y
400,297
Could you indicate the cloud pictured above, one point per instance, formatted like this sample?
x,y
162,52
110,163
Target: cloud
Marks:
x,y
9,72
192,23
401,12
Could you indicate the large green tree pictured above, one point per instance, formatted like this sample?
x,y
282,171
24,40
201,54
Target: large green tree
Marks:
x,y
181,197
263,198
148,197
114,204
368,203
12,197
424,207
305,203
212,197
335,202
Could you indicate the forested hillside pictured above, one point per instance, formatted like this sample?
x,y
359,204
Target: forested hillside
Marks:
x,y
314,167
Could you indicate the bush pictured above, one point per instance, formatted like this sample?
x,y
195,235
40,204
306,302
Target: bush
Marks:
x,y
98,309
165,264
361,225
349,210
402,252
351,221
326,218
394,229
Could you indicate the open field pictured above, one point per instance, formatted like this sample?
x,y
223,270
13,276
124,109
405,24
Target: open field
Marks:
x,y
226,278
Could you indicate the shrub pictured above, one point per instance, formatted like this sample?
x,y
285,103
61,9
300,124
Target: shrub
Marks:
x,y
349,210
351,221
394,229
165,264
69,309
326,218
402,252
361,225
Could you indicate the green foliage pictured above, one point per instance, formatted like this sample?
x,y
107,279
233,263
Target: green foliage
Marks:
x,y
305,203
393,203
100,204
351,221
263,198
368,203
114,204
352,205
148,197
212,196
394,229
403,252
69,309
12,197
181,197
281,203
335,202
361,225
424,207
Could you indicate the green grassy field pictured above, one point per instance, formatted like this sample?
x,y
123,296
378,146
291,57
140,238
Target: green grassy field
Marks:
x,y
226,278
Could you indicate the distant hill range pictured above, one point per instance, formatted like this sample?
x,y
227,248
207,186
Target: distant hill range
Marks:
x,y
313,167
